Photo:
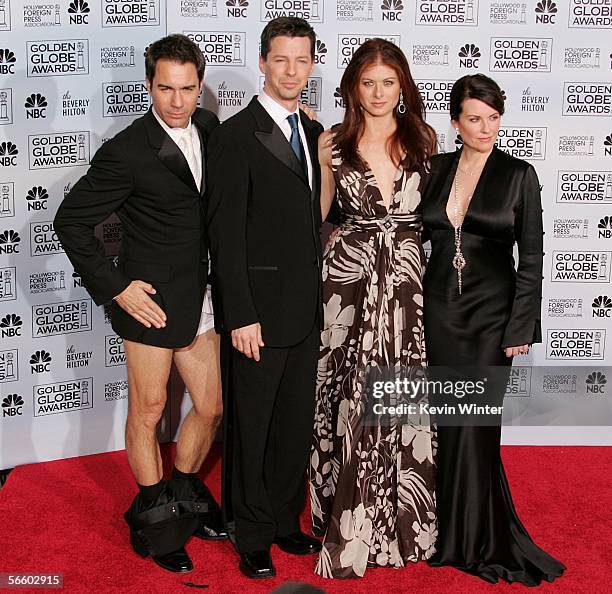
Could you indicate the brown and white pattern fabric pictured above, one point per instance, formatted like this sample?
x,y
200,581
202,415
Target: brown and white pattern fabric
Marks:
x,y
372,489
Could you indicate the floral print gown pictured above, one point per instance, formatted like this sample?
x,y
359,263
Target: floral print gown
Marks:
x,y
372,489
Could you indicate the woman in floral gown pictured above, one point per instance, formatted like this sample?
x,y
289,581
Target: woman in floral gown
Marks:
x,y
372,488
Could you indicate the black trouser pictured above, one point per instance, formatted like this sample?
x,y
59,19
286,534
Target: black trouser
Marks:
x,y
272,417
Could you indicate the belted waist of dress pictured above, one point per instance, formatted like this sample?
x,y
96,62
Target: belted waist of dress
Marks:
x,y
391,223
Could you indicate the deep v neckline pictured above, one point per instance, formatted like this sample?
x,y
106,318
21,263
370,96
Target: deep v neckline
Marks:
x,y
381,200
451,187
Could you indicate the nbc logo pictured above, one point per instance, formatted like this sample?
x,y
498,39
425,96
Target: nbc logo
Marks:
x,y
12,406
9,242
338,100
320,52
237,8
546,11
40,362
78,12
602,307
468,56
608,145
392,10
8,154
596,383
10,326
37,198
35,106
7,61
605,228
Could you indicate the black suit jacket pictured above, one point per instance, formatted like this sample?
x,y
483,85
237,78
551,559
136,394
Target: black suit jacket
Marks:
x,y
263,224
143,177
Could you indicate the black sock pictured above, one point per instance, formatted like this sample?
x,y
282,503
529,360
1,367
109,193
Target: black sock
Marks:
x,y
149,493
179,476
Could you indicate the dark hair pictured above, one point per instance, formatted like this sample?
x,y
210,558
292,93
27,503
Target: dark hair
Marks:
x,y
178,48
476,86
286,27
413,137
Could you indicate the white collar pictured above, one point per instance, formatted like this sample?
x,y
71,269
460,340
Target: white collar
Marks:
x,y
174,133
276,111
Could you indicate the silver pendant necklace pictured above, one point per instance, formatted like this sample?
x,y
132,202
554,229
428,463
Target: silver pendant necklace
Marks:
x,y
459,261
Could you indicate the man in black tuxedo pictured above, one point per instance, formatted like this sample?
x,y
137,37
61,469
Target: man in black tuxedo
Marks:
x,y
151,175
264,218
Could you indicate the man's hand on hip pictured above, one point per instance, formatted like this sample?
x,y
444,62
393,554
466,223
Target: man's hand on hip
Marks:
x,y
135,300
248,340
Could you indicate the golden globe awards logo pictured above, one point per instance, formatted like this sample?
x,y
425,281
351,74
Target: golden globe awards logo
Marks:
x,y
62,397
576,344
447,12
587,99
43,239
587,187
126,98
6,106
114,352
523,142
57,58
590,14
581,267
55,319
128,13
200,8
7,199
349,42
9,369
435,94
8,286
519,381
221,48
63,149
5,15
520,54
310,10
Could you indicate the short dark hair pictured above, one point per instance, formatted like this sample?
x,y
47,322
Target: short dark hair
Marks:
x,y
178,48
475,86
286,27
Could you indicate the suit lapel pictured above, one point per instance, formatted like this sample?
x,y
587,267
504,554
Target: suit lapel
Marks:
x,y
168,152
273,139
313,148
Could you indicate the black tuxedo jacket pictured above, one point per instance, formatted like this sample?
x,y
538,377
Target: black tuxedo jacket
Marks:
x,y
143,177
263,225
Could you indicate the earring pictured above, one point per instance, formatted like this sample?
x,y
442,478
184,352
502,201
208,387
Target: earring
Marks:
x,y
401,106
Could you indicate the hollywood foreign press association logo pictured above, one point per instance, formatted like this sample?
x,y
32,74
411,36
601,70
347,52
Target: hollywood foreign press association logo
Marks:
x,y
320,52
602,307
546,12
7,61
40,362
6,106
468,56
12,406
605,227
596,383
392,10
37,198
9,242
10,326
35,106
78,12
8,154
237,9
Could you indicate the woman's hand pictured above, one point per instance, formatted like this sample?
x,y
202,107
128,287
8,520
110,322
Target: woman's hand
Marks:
x,y
311,113
517,350
325,148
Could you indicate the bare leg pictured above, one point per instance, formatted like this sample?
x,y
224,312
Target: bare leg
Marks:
x,y
148,371
199,367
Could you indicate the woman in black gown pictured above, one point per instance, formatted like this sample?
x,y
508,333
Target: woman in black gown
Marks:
x,y
480,311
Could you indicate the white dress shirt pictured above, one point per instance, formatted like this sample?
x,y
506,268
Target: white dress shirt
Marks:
x,y
279,114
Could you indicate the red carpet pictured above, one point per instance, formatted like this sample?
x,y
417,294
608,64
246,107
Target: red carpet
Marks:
x,y
66,516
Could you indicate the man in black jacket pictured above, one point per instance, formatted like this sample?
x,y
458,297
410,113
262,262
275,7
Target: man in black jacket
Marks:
x,y
264,217
152,176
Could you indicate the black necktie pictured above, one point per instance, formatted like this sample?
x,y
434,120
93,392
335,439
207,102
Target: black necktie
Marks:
x,y
296,141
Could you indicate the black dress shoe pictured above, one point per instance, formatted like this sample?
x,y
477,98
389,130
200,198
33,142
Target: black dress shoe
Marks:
x,y
177,561
257,564
298,543
211,526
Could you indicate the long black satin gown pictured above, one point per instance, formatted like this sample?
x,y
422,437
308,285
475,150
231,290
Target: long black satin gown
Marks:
x,y
479,530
